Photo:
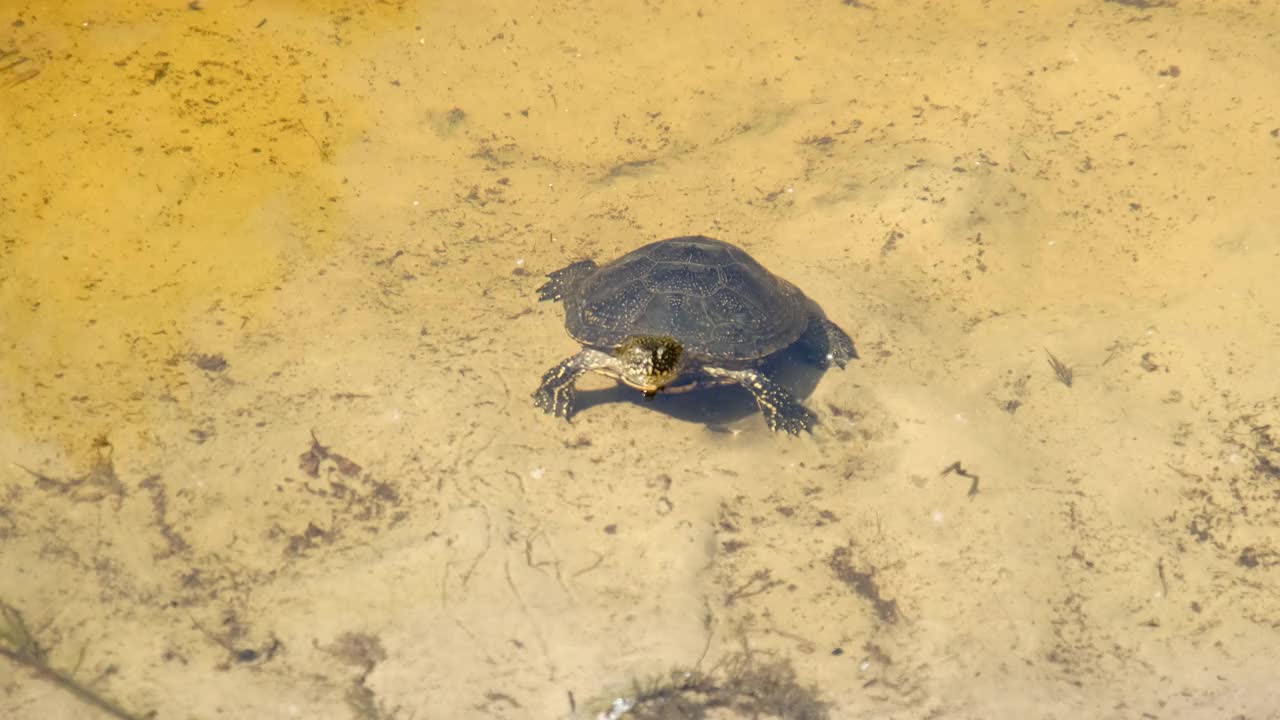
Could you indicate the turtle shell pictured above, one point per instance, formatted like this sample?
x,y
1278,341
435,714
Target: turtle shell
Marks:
x,y
711,296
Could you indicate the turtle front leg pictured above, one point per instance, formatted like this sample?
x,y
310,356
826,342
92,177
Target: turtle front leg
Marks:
x,y
781,410
556,393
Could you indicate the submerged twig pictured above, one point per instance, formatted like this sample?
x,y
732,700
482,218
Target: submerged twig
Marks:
x,y
19,645
1060,369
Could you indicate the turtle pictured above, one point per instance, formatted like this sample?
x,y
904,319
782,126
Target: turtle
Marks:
x,y
684,313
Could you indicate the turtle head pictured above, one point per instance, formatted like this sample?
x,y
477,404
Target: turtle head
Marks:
x,y
650,362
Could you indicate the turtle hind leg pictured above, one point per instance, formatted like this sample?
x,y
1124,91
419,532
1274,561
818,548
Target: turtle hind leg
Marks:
x,y
780,408
827,344
560,282
556,393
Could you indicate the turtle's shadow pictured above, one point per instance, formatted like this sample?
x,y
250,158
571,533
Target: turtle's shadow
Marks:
x,y
718,406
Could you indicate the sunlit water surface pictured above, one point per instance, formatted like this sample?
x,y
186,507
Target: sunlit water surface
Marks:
x,y
269,329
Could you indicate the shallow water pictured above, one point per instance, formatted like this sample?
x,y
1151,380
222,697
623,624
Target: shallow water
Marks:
x,y
269,329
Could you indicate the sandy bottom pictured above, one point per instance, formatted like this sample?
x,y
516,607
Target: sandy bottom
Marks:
x,y
269,329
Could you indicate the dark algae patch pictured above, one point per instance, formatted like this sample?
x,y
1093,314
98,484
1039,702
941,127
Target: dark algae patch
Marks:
x,y
862,582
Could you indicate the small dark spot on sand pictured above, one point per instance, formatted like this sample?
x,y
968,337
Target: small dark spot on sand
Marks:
x,y
210,363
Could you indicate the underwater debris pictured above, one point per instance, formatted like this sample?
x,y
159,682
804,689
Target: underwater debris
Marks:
x,y
742,685
1061,370
20,646
99,483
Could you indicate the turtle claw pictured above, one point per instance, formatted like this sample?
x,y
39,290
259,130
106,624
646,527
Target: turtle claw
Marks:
x,y
556,393
780,409
556,402
793,420
795,424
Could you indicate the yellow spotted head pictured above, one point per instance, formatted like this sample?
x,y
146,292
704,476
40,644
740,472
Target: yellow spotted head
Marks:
x,y
650,362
